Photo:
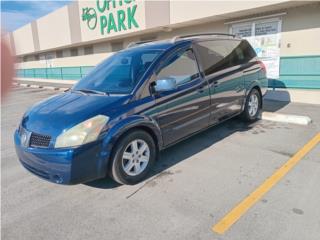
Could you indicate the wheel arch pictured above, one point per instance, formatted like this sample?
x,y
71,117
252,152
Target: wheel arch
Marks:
x,y
257,87
131,124
253,85
145,128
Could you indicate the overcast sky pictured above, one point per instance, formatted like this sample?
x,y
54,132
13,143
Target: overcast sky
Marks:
x,y
15,14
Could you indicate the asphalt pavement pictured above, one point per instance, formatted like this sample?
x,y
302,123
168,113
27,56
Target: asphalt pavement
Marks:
x,y
193,186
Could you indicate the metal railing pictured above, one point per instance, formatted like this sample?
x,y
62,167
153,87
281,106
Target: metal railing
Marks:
x,y
63,73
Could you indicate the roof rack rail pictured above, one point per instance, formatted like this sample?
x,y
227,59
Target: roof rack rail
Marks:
x,y
132,44
202,34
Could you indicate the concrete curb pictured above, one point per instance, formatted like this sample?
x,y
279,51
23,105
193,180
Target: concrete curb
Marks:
x,y
40,86
45,83
286,118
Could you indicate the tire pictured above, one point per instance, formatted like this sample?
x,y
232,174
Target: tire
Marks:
x,y
131,160
252,108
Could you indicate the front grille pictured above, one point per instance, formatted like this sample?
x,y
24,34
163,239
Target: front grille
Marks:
x,y
38,140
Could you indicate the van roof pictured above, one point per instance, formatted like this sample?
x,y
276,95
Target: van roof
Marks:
x,y
165,44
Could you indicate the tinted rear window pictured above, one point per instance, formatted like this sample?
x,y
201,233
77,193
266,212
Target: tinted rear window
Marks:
x,y
217,55
247,50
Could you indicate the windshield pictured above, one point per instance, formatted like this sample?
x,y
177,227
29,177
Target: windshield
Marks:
x,y
120,73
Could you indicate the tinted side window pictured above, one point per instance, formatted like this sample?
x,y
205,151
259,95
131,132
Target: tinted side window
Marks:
x,y
213,55
182,67
220,54
247,51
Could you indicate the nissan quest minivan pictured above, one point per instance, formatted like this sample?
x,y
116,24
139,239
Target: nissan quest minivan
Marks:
x,y
140,100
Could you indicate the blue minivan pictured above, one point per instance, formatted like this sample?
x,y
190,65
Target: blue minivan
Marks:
x,y
140,100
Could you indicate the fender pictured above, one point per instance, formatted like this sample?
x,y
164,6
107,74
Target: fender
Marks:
x,y
255,83
123,125
114,132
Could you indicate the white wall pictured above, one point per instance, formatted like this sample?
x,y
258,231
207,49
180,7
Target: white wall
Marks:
x,y
182,10
103,50
54,30
219,27
301,31
23,40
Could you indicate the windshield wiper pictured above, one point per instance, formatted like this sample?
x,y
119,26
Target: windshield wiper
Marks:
x,y
91,91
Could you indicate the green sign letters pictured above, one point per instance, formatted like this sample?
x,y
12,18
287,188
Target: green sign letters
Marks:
x,y
111,21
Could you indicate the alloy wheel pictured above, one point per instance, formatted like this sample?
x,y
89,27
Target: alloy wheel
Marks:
x,y
253,105
135,157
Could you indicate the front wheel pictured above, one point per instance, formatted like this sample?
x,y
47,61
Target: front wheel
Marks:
x,y
253,106
133,157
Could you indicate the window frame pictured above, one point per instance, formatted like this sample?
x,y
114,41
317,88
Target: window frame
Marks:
x,y
116,46
59,53
74,52
88,50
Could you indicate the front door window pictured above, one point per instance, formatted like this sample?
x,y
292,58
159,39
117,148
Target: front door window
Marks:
x,y
182,67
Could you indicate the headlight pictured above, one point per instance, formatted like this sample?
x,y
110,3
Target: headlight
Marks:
x,y
85,132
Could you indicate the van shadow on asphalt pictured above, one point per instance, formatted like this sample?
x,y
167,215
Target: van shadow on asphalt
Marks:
x,y
273,106
185,149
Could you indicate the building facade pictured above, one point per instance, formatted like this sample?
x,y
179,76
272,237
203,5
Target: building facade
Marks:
x,y
67,43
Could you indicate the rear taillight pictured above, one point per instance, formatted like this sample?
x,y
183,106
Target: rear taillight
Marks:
x,y
263,67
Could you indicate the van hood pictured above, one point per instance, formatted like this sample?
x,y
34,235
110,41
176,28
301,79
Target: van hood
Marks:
x,y
63,111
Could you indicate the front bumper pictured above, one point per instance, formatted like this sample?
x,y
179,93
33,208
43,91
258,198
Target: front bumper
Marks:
x,y
67,165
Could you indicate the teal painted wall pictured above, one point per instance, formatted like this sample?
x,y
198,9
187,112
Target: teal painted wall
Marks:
x,y
298,72
295,72
68,73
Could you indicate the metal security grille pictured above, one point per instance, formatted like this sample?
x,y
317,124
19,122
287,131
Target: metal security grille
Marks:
x,y
37,140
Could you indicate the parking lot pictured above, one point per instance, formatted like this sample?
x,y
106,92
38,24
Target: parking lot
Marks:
x,y
193,186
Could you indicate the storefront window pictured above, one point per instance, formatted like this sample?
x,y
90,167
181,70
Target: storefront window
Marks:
x,y
242,31
264,37
266,28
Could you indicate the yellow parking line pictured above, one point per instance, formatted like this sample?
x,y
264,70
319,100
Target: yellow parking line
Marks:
x,y
226,222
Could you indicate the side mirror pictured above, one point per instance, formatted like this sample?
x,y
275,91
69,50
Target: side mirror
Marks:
x,y
165,84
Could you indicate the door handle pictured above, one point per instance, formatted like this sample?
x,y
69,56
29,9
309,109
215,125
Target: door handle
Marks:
x,y
215,83
201,89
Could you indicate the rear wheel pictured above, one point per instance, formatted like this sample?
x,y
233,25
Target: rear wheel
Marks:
x,y
253,106
133,157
